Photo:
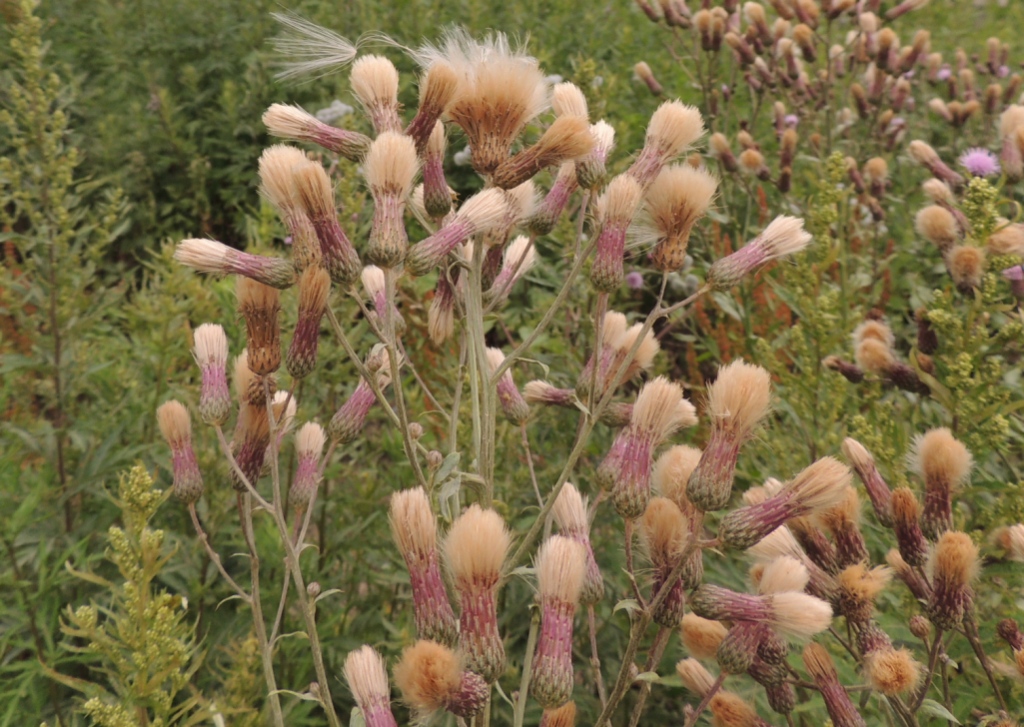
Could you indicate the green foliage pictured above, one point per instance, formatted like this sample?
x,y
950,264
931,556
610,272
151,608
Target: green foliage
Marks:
x,y
138,638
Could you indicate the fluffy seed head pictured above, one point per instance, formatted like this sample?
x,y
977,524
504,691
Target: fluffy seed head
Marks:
x,y
658,409
663,528
695,677
373,281
783,574
570,510
872,329
313,188
175,424
955,559
623,343
701,636
740,397
278,166
938,456
620,200
679,196
876,169
785,236
857,454
568,100
672,471
800,616
243,376
1010,120
604,138
374,81
937,225
439,86
211,345
311,47
874,356
427,675
1011,539
966,266
674,126
487,209
938,191
892,671
905,506
476,546
412,522
922,153
731,710
823,484
818,663
309,440
564,716
367,676
561,563
751,160
1007,240
391,164
515,251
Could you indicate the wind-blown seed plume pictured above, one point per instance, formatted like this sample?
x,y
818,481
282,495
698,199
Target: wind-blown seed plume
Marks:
x,y
312,48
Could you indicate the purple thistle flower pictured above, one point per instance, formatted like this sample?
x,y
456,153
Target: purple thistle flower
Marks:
x,y
635,280
944,73
791,120
1003,71
980,162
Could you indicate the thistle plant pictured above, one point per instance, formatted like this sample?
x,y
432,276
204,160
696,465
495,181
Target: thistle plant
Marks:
x,y
463,534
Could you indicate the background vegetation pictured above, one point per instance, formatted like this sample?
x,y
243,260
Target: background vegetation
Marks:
x,y
141,125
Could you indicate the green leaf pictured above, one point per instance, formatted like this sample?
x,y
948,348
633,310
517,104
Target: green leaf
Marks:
x,y
448,466
629,604
930,706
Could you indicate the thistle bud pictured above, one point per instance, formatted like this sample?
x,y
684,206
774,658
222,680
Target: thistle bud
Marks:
x,y
211,354
438,87
513,404
309,444
375,285
561,564
817,488
737,401
176,428
752,162
389,168
295,124
437,197
431,677
659,411
701,637
550,209
414,532
259,305
314,288
929,159
719,145
823,672
945,466
616,208
374,81
216,258
664,532
643,72
878,491
906,522
1011,540
672,129
910,577
483,212
849,371
954,565
474,551
570,511
783,236
252,428
367,677
678,197
348,421
567,139
738,650
743,50
542,392
316,196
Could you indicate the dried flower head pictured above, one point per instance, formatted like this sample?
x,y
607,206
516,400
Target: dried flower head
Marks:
x,y
672,472
561,568
211,355
295,124
438,86
701,637
567,139
390,167
316,199
431,677
695,676
859,587
966,265
210,256
570,511
259,304
864,465
176,428
823,672
954,566
678,197
374,81
944,464
615,210
484,211
674,126
937,225
512,403
892,671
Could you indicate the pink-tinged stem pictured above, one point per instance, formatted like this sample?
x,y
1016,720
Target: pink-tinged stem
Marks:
x,y
428,254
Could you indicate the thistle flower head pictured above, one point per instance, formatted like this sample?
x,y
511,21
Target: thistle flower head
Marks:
x,y
695,676
731,710
1010,120
800,616
740,397
374,81
309,441
412,523
873,329
859,587
922,153
570,510
876,169
783,574
980,162
564,716
367,677
678,197
672,472
175,424
210,256
892,671
211,354
673,127
664,529
701,636
475,548
211,345
938,191
391,165
561,564
783,236
659,409
939,457
1011,539
966,265
937,225
568,100
427,675
955,559
277,165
